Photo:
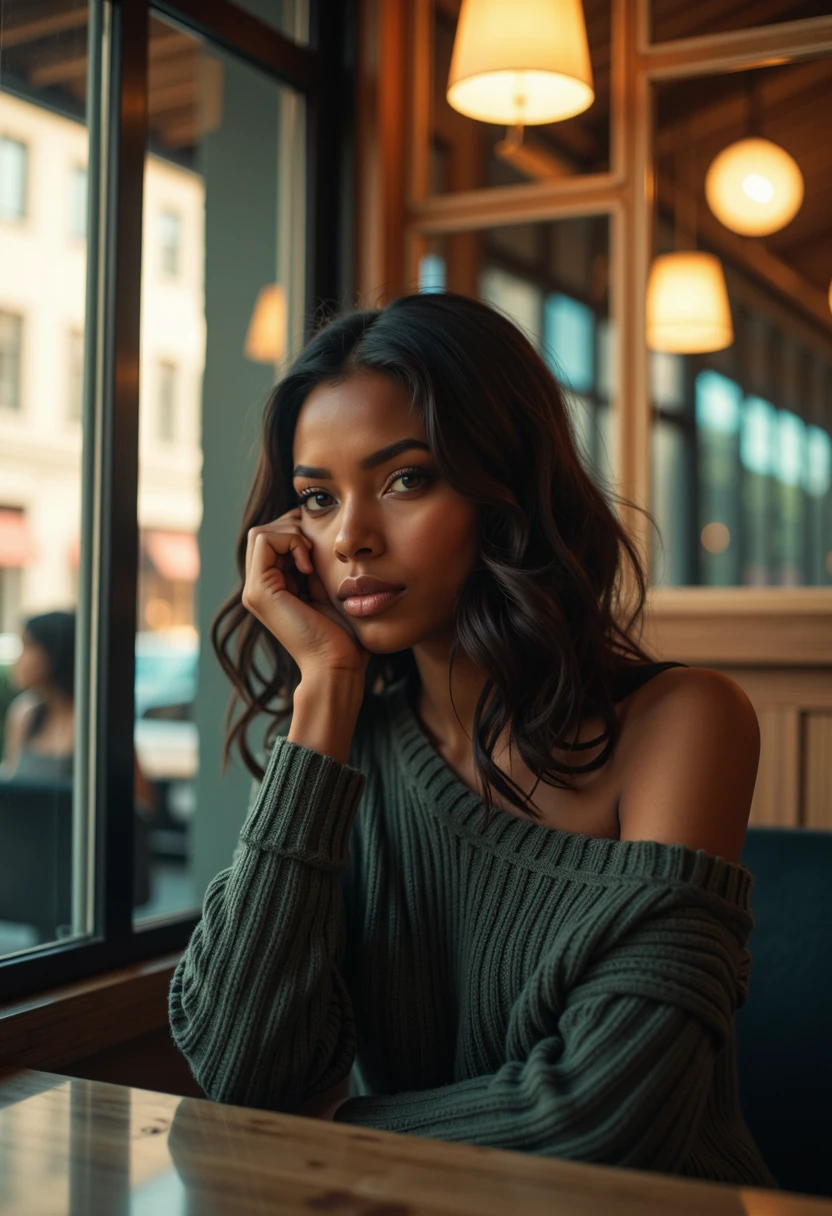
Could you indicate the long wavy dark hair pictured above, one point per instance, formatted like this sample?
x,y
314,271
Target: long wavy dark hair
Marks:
x,y
54,633
540,612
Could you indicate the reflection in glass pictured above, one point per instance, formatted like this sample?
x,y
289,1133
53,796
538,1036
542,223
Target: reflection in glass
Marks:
x,y
43,157
214,172
747,468
466,154
550,278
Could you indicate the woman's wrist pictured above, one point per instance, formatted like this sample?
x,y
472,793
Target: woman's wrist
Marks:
x,y
325,713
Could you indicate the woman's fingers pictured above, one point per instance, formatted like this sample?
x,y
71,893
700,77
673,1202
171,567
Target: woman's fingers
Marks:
x,y
287,524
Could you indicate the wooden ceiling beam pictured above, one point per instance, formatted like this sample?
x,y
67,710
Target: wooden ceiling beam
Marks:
x,y
781,85
58,69
18,33
691,20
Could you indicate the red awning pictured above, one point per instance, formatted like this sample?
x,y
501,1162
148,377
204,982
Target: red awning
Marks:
x,y
16,547
174,554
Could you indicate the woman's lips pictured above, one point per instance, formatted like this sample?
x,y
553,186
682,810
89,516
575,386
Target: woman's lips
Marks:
x,y
366,605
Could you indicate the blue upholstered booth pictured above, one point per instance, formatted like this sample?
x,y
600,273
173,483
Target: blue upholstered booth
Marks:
x,y
784,1032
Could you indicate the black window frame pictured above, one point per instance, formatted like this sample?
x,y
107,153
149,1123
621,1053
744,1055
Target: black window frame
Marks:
x,y
117,121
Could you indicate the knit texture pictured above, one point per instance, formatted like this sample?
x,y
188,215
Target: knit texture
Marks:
x,y
517,986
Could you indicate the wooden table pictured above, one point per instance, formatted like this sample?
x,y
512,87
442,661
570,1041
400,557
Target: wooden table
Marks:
x,y
85,1148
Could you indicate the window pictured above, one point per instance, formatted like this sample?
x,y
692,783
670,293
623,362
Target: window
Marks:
x,y
11,341
75,375
740,430
170,241
167,402
78,203
227,140
13,160
545,277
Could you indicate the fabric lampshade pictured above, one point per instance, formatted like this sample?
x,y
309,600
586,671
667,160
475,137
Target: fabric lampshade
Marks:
x,y
266,337
521,61
687,304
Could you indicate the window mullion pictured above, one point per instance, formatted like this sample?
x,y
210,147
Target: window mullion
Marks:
x,y
126,86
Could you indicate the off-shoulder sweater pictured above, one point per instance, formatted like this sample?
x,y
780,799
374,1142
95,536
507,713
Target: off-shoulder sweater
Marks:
x,y
514,986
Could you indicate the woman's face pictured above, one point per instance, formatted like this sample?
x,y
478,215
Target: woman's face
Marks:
x,y
411,530
31,668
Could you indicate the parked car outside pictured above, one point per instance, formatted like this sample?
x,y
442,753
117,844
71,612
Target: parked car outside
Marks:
x,y
165,735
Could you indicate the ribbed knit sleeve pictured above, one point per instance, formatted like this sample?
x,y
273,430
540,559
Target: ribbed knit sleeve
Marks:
x,y
611,1045
257,1003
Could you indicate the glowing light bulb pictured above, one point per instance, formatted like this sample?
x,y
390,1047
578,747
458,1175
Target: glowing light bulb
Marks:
x,y
520,61
754,187
758,188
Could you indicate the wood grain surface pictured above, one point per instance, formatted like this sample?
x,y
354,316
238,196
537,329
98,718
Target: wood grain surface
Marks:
x,y
86,1148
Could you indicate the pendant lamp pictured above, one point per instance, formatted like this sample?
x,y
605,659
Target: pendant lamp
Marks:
x,y
754,187
687,300
521,61
266,336
687,304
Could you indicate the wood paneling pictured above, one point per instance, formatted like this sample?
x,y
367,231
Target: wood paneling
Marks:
x,y
817,771
779,651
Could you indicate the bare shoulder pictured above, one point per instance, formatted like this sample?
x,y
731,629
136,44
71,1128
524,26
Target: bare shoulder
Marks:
x,y
692,758
690,689
21,709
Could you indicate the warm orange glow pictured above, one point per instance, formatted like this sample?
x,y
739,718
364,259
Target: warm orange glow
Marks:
x,y
715,537
266,337
687,304
521,61
754,187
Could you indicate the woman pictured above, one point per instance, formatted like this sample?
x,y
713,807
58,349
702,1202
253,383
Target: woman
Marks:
x,y
40,722
39,736
552,971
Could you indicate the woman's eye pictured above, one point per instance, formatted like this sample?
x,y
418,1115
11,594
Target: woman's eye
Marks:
x,y
306,496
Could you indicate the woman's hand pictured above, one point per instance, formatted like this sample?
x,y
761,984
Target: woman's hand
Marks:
x,y
285,594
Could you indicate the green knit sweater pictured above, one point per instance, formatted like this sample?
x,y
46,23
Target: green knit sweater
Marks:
x,y
519,987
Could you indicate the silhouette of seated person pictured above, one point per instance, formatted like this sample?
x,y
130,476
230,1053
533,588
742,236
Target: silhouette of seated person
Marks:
x,y
39,734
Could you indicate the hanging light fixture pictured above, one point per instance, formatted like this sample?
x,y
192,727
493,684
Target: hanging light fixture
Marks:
x,y
266,336
521,62
754,187
687,300
687,304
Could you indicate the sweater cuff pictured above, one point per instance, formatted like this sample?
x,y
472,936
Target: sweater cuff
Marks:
x,y
306,806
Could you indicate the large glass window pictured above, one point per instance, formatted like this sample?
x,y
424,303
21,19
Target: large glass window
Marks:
x,y
131,392
218,185
43,94
742,434
551,279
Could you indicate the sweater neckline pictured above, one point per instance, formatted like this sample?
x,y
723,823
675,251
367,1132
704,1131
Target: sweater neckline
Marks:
x,y
539,847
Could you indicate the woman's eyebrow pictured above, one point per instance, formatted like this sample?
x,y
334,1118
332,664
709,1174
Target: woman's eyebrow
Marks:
x,y
368,462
